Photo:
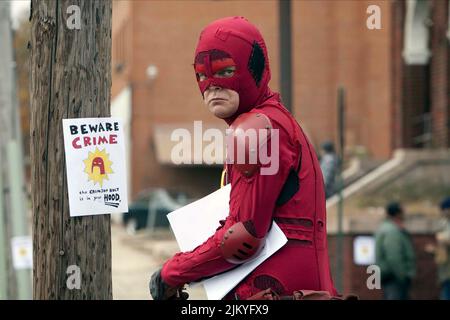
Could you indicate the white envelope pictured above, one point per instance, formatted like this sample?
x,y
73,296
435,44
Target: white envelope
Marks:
x,y
195,223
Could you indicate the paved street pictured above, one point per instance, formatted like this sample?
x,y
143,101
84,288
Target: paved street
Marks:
x,y
135,258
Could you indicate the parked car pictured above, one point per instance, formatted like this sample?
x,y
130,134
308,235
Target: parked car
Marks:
x,y
151,207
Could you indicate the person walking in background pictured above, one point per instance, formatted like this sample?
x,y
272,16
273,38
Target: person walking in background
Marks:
x,y
394,254
329,166
442,250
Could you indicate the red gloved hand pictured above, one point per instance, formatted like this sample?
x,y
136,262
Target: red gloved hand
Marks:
x,y
160,290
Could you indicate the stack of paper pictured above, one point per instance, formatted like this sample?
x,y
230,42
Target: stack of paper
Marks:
x,y
196,222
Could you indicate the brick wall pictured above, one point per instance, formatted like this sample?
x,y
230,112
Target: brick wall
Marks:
x,y
333,46
121,45
416,102
420,89
398,21
165,34
440,74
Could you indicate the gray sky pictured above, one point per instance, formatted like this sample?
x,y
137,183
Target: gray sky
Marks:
x,y
19,8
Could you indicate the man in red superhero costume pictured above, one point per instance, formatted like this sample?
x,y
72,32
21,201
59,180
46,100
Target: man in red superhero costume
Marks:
x,y
232,70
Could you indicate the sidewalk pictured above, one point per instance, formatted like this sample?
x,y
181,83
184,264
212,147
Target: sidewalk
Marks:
x,y
135,258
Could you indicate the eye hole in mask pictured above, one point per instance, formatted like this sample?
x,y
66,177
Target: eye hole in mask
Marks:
x,y
226,72
221,65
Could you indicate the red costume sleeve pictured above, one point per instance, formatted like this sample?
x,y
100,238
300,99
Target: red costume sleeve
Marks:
x,y
252,199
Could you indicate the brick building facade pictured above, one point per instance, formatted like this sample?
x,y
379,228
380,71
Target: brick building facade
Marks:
x,y
420,54
396,87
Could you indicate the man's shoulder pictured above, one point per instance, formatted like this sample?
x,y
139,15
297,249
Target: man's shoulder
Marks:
x,y
280,119
387,227
277,114
263,118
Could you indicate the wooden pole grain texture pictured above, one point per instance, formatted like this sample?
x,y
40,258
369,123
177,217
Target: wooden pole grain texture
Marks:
x,y
70,78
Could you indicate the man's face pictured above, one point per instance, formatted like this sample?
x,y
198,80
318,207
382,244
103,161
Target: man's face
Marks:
x,y
221,100
223,103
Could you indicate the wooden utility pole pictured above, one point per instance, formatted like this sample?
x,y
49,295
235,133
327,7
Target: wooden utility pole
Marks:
x,y
70,78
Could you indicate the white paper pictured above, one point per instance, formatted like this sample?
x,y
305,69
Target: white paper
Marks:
x,y
22,252
95,166
196,222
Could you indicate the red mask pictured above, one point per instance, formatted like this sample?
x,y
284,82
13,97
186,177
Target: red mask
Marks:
x,y
234,42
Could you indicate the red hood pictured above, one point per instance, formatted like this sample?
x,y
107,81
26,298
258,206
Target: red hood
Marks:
x,y
238,39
